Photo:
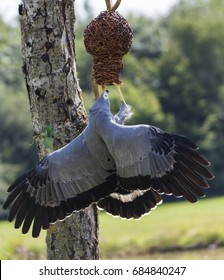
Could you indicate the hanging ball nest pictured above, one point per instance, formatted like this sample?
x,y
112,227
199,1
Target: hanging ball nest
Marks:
x,y
108,38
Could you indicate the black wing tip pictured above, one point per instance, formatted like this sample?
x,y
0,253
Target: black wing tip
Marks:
x,y
4,206
212,176
30,214
185,141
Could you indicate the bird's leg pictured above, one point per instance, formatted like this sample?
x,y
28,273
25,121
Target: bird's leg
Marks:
x,y
118,87
103,88
108,4
95,87
116,5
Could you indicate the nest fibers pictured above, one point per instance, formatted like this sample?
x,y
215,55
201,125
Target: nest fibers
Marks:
x,y
108,38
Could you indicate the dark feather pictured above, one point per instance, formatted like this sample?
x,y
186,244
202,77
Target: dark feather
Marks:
x,y
18,181
201,170
184,141
16,205
189,184
186,192
22,211
189,153
138,206
60,214
167,181
37,222
52,215
45,220
30,216
191,174
14,193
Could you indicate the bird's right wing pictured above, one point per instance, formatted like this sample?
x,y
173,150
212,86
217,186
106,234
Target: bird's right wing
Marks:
x,y
67,180
146,157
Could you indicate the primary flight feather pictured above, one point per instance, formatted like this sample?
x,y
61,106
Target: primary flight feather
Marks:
x,y
124,169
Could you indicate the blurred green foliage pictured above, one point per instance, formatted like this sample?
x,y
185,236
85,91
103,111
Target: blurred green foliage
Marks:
x,y
173,78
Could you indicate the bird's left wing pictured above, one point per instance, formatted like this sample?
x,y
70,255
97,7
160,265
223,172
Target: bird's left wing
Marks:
x,y
66,180
146,157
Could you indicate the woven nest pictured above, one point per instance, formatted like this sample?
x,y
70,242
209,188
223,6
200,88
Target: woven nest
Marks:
x,y
108,37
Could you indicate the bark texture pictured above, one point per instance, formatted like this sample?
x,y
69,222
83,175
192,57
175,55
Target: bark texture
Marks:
x,y
57,110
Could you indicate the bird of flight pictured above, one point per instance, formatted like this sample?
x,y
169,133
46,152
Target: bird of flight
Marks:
x,y
124,169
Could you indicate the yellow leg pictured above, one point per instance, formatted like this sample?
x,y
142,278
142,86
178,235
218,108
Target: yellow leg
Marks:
x,y
95,87
103,88
118,87
108,4
116,5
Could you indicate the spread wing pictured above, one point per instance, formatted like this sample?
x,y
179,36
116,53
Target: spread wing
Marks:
x,y
67,180
146,157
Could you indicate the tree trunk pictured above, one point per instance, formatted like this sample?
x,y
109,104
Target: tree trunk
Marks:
x,y
57,110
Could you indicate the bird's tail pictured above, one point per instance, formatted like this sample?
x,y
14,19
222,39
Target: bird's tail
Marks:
x,y
129,205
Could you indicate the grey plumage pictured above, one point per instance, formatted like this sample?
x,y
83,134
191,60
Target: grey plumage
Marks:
x,y
124,169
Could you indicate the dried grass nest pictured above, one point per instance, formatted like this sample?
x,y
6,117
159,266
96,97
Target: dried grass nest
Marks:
x,y
108,38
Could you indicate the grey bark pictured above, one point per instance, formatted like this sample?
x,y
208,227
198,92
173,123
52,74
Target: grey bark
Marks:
x,y
57,110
